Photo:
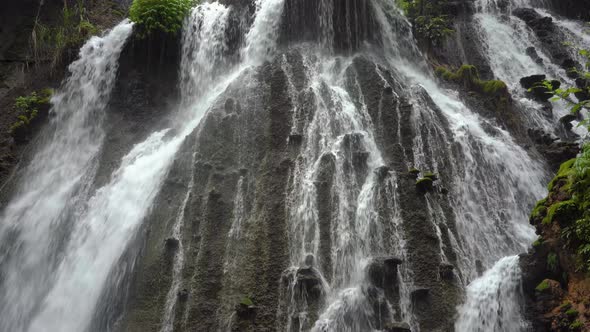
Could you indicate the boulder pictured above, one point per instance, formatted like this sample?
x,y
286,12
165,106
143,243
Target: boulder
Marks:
x,y
424,185
382,271
183,295
295,139
446,271
413,173
309,282
171,244
566,121
382,172
530,81
532,53
420,294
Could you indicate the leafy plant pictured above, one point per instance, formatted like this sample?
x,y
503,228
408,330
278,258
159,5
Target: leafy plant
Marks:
x,y
51,42
581,92
576,325
28,109
552,262
162,15
428,18
572,182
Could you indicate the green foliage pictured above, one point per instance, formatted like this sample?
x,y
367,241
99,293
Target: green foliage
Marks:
x,y
542,286
538,242
28,108
571,313
428,18
581,92
50,42
572,185
162,15
576,325
565,306
552,262
564,211
468,76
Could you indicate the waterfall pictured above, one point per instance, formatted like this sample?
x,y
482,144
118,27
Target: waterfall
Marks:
x,y
358,245
494,301
506,39
54,187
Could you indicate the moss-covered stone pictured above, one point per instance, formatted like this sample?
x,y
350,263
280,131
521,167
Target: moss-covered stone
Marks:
x,y
414,172
468,76
424,185
543,286
565,212
431,176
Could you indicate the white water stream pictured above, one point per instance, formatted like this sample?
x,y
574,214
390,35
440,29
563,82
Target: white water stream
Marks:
x,y
67,243
50,198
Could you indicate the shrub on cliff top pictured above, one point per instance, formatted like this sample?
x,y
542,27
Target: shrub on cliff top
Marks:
x,y
162,15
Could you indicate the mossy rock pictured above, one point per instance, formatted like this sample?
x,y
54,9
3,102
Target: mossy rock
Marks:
x,y
468,76
413,172
424,185
543,286
565,212
430,175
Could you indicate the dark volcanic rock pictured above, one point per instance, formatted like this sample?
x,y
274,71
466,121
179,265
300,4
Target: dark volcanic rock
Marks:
x,y
309,282
382,271
353,23
532,53
397,327
530,81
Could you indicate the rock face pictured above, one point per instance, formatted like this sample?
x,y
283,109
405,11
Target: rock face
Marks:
x,y
571,8
21,74
556,289
550,36
352,23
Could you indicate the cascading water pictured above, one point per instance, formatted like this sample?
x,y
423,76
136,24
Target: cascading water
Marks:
x,y
363,247
494,301
508,42
50,198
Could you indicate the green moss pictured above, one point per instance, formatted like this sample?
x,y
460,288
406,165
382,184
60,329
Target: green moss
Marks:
x,y
540,209
468,76
570,196
571,313
576,325
159,15
538,242
566,212
494,87
542,286
565,306
431,176
566,170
